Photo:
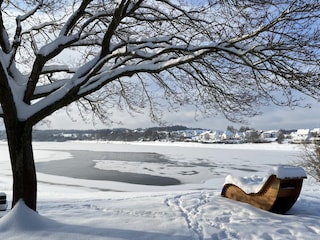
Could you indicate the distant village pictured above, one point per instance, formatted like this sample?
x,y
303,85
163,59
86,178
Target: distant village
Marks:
x,y
298,136
181,133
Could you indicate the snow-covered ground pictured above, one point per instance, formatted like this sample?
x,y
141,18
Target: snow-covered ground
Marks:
x,y
73,208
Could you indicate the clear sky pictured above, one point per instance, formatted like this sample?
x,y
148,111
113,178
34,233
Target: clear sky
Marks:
x,y
272,118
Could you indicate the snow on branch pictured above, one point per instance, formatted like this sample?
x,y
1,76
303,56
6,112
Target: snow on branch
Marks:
x,y
266,47
71,22
54,68
151,65
45,90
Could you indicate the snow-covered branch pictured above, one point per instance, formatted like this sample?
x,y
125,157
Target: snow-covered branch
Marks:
x,y
72,20
4,38
45,90
267,46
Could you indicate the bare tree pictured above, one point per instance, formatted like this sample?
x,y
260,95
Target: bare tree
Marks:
x,y
310,160
223,56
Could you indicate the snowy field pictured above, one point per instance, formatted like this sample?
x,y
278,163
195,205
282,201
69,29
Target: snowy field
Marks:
x,y
75,208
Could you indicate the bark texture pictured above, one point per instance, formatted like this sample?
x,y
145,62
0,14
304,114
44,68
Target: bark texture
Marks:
x,y
19,137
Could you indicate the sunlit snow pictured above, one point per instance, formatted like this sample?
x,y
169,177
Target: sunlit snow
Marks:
x,y
70,208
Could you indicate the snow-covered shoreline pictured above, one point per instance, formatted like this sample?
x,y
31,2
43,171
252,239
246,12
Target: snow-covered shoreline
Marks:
x,y
82,209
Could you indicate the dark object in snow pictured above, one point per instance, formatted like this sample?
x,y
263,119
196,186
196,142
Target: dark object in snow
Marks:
x,y
3,201
277,195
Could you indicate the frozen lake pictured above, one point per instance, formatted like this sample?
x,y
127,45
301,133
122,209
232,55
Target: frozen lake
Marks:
x,y
189,165
82,166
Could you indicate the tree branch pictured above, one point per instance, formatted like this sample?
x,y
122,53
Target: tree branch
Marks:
x,y
264,46
123,9
71,22
4,38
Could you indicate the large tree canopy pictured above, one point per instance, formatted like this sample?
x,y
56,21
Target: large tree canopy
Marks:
x,y
220,56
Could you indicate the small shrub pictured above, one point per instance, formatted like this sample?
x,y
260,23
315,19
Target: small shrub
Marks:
x,y
311,160
280,138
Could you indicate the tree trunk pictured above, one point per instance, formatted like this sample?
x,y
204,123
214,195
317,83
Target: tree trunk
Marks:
x,y
19,137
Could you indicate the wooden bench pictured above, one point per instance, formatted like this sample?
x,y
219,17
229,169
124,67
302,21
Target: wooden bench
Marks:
x,y
277,195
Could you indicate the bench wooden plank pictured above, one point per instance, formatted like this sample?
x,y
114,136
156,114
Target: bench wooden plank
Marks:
x,y
276,195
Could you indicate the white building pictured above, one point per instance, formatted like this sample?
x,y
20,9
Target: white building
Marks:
x,y
315,135
270,135
227,135
209,136
301,136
